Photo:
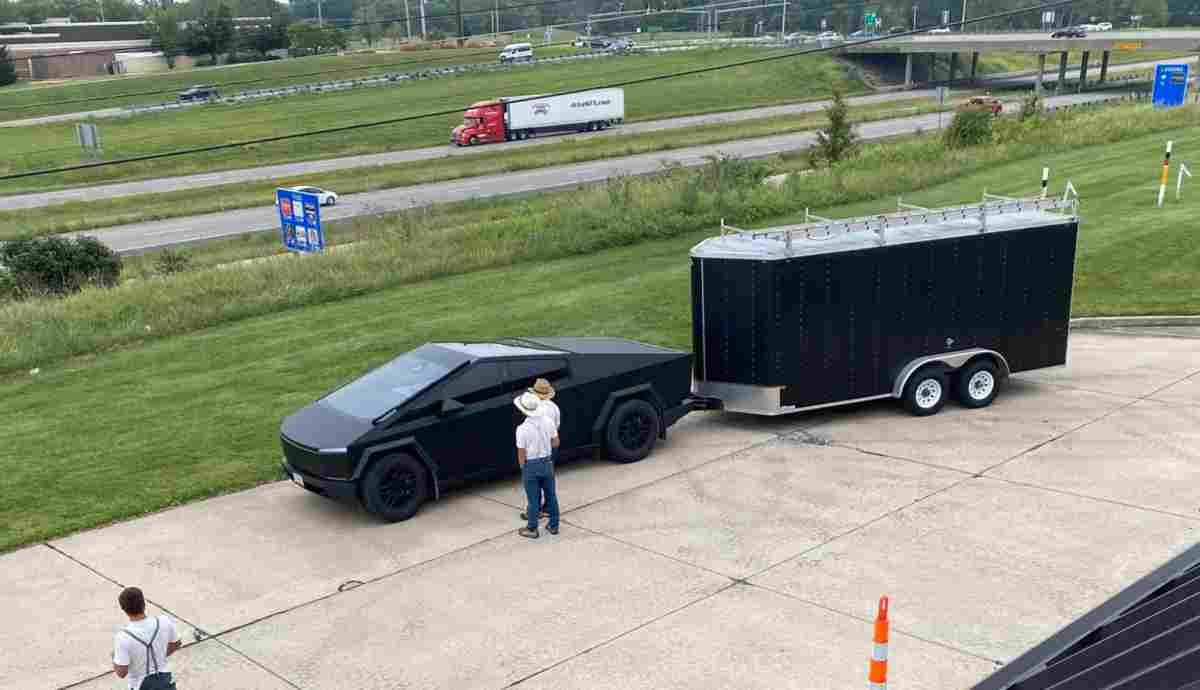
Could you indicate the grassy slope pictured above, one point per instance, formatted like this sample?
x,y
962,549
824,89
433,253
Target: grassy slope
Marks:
x,y
36,99
992,63
198,414
28,148
100,213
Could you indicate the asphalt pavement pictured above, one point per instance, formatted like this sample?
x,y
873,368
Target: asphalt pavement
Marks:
x,y
745,552
154,234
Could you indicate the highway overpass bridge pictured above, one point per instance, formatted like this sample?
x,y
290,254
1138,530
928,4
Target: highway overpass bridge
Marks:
x,y
1039,43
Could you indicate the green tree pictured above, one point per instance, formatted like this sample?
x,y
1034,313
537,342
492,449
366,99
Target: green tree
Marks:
x,y
837,141
163,27
214,32
8,71
971,126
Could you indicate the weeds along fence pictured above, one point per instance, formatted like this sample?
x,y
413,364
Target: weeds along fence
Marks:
x,y
405,247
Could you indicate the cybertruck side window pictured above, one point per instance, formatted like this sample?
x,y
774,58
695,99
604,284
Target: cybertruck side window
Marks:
x,y
479,382
521,373
390,385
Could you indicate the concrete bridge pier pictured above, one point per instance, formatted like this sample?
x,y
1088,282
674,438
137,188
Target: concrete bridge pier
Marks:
x,y
1083,65
974,65
1062,72
953,66
1037,88
908,60
1104,65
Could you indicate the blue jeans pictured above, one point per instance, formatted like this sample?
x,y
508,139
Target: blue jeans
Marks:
x,y
538,477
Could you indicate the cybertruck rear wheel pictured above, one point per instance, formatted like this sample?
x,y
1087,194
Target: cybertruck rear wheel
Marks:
x,y
632,431
394,487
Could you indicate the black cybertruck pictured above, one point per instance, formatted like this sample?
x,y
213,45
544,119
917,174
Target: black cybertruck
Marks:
x,y
442,415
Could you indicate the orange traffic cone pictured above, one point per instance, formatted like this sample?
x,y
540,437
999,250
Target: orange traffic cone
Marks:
x,y
878,677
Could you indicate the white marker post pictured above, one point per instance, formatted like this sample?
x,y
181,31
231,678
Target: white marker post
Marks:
x,y
1166,174
1045,180
1183,171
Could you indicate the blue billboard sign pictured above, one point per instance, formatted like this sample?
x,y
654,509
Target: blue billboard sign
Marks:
x,y
1170,85
300,220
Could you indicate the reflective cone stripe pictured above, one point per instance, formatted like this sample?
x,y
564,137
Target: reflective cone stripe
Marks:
x,y
878,677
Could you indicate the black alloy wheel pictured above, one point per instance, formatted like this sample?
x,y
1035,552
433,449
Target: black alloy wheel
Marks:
x,y
632,431
395,487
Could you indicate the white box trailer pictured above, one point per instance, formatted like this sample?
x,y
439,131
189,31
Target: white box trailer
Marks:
x,y
584,111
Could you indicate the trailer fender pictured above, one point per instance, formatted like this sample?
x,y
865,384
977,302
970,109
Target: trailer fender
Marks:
x,y
952,361
644,391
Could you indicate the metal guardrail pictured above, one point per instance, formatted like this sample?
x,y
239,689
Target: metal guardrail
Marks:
x,y
387,79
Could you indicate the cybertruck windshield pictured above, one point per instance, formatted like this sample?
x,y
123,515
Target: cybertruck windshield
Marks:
x,y
394,383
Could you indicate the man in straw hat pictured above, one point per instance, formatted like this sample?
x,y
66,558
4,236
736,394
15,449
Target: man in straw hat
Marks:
x,y
547,408
536,439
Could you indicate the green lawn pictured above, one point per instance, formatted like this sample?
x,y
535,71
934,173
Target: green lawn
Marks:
x,y
120,433
32,99
29,148
84,215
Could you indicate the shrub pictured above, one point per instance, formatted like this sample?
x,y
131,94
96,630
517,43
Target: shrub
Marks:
x,y
971,127
172,261
837,141
8,70
1031,106
57,265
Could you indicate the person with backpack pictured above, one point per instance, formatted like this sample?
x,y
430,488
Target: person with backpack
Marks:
x,y
141,648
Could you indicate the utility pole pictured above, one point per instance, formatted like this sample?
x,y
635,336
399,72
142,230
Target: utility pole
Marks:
x,y
407,21
962,25
320,18
914,24
458,13
496,20
783,22
422,2
101,11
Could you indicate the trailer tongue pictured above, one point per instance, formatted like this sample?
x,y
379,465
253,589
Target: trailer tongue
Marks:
x,y
914,305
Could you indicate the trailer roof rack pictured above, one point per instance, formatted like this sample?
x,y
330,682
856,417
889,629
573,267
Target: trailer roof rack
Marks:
x,y
908,223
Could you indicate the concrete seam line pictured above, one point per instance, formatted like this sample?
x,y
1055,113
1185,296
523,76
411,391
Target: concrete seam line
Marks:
x,y
868,621
1099,499
618,636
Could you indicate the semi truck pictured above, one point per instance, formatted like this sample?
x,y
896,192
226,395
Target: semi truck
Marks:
x,y
521,117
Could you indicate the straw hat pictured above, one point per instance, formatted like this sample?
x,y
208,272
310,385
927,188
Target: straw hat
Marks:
x,y
543,389
527,403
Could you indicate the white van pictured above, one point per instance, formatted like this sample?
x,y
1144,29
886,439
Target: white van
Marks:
x,y
517,52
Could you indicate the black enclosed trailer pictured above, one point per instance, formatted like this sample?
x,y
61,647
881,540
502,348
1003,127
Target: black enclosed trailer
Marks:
x,y
911,305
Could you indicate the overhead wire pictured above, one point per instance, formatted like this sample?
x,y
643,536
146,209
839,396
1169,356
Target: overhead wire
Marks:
x,y
409,118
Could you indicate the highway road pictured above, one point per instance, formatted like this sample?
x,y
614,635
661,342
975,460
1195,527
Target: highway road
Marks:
x,y
290,170
139,237
285,170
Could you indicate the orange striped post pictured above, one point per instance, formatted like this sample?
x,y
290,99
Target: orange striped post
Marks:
x,y
878,677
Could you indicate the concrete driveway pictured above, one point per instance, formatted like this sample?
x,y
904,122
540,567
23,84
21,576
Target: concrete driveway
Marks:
x,y
744,553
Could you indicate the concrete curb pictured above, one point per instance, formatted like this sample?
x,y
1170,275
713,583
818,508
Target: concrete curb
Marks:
x,y
1094,322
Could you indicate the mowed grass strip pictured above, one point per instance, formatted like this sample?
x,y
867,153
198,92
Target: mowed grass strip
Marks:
x,y
99,213
119,434
407,247
53,145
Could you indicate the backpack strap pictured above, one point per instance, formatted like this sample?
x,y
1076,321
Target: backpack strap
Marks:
x,y
148,645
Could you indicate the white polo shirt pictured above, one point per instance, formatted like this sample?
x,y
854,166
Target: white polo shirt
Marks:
x,y
548,409
533,436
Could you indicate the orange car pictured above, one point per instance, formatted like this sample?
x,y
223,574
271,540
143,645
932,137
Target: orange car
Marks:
x,y
992,104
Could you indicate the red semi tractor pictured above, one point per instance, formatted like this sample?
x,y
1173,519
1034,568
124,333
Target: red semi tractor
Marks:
x,y
520,117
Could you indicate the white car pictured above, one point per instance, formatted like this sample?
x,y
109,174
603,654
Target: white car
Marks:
x,y
1104,26
829,36
940,30
1089,27
324,196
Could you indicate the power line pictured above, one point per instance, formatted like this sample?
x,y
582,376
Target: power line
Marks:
x,y
442,113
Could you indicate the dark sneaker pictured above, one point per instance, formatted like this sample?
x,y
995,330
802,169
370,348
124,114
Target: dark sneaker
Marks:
x,y
529,533
543,515
552,530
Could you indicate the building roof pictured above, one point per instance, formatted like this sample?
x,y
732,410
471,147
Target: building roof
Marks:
x,y
914,225
1147,636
